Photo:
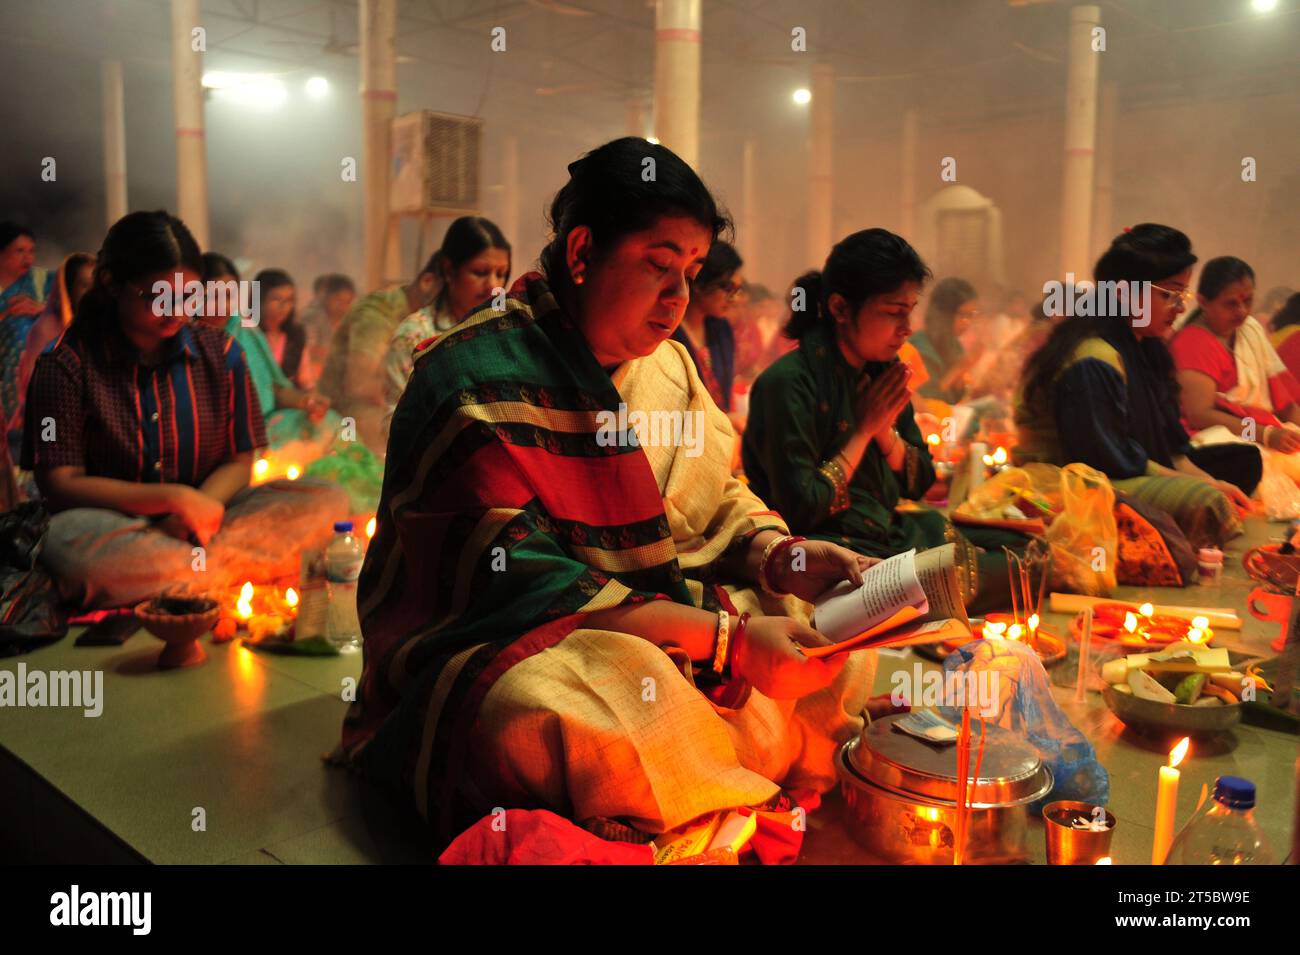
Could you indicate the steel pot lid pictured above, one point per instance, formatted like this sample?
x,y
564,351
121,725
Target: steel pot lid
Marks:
x,y
1010,772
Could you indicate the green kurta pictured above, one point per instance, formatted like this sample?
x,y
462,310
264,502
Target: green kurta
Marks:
x,y
801,415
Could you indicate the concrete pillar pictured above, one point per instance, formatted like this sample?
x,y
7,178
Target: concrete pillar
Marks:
x,y
114,140
1080,142
907,174
1103,223
510,189
747,236
821,155
677,77
634,116
187,102
378,27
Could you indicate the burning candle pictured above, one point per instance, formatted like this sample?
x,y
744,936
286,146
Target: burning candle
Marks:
x,y
1167,803
245,603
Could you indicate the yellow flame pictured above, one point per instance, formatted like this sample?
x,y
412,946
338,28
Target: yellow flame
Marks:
x,y
1178,752
1130,622
291,597
260,467
245,602
1013,632
1000,456
1146,610
988,460
1201,623
1033,622
292,473
996,628
1196,635
932,439
370,528
1104,860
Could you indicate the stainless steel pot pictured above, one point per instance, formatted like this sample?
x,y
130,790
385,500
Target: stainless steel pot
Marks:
x,y
901,796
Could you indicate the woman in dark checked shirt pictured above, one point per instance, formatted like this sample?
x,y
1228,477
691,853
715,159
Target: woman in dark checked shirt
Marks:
x,y
141,429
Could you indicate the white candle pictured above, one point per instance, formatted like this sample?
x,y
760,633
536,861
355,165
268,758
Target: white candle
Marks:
x,y
1167,803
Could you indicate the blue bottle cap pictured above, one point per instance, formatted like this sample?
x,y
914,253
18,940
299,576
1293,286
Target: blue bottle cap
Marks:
x,y
1235,792
342,527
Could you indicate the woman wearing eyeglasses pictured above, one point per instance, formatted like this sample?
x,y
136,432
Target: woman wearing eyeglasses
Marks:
x,y
141,427
1102,390
706,330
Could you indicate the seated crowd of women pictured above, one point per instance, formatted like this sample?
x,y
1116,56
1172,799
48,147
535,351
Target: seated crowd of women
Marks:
x,y
615,631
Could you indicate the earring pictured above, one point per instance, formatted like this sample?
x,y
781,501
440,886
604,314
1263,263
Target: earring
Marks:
x,y
577,279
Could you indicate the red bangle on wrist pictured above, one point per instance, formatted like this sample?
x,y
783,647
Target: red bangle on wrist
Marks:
x,y
770,557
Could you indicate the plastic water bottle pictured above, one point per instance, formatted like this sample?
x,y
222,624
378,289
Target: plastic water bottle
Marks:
x,y
1224,832
343,559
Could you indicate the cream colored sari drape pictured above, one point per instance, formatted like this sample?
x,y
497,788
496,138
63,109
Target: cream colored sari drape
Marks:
x,y
604,724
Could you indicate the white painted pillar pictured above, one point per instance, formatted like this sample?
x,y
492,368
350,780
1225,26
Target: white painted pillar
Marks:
x,y
1103,223
378,28
1080,143
187,102
821,155
677,77
907,174
114,122
510,189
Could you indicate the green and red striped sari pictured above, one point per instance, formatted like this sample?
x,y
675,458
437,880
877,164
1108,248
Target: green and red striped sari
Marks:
x,y
502,523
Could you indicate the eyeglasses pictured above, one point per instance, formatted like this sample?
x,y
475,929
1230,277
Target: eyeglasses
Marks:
x,y
1183,295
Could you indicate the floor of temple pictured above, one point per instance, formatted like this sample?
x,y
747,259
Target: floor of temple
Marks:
x,y
239,738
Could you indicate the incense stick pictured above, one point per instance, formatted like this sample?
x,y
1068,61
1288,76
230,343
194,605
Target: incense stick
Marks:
x,y
1085,648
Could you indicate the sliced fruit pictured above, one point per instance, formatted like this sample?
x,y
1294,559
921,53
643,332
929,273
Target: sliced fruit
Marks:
x,y
1146,688
1227,696
1189,688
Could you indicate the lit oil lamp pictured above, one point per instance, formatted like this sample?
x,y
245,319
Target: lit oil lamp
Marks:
x,y
260,469
244,606
292,472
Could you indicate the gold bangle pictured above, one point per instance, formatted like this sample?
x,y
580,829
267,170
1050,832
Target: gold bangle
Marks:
x,y
837,474
723,641
762,565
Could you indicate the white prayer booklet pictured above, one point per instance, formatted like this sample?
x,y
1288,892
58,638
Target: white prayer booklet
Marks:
x,y
906,599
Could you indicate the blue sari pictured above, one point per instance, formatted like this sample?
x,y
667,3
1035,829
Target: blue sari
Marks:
x,y
34,284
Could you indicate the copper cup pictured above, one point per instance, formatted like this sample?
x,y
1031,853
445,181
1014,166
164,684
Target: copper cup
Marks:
x,y
1078,833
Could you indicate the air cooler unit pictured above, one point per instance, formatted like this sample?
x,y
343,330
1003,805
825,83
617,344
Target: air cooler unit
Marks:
x,y
435,164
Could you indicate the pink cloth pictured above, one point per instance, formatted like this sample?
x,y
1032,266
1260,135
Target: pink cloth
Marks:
x,y
538,837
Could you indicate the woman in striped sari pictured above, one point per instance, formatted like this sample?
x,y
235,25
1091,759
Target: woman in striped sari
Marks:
x,y
570,603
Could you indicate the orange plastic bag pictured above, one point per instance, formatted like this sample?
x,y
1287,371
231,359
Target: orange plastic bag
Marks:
x,y
1084,537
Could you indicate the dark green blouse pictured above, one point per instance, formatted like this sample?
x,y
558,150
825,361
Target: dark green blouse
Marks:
x,y
801,416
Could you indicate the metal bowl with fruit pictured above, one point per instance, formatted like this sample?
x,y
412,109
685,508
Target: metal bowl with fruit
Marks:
x,y
1186,688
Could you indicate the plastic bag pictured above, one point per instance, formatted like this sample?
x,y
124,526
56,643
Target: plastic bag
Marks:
x,y
1278,491
30,614
356,469
1084,537
1025,707
1034,490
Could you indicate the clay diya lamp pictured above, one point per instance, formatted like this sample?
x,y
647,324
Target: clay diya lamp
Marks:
x,y
179,622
